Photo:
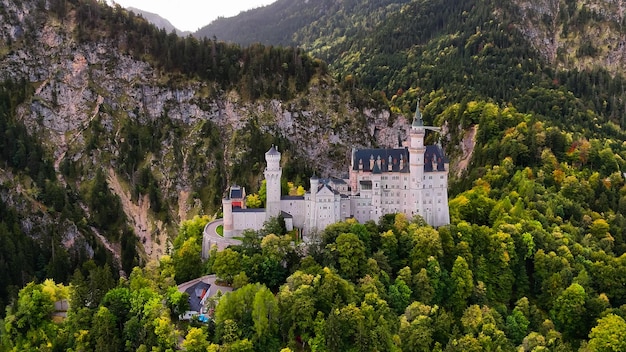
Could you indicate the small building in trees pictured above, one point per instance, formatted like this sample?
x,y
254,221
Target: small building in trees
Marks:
x,y
411,179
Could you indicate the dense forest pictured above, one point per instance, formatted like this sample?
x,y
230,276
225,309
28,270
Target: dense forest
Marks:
x,y
534,258
463,49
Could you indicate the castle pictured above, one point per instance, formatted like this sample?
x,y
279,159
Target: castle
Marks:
x,y
412,180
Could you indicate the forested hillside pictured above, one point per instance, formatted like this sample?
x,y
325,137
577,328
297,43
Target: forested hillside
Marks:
x,y
125,131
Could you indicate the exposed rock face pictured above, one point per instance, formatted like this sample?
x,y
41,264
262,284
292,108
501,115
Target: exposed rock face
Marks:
x,y
565,32
79,83
36,220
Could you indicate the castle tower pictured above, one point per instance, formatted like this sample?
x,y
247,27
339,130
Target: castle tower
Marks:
x,y
312,210
273,173
377,192
354,173
227,210
416,160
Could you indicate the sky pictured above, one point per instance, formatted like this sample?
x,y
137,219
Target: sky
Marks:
x,y
190,15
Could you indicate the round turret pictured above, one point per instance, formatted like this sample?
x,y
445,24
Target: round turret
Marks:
x,y
272,158
227,210
273,173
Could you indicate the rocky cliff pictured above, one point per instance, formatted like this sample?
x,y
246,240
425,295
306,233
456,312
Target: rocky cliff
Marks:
x,y
574,34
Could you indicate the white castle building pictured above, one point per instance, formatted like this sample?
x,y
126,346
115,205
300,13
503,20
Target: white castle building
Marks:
x,y
412,180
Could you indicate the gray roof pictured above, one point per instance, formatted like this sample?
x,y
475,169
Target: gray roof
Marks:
x,y
292,198
433,152
195,293
417,119
323,185
332,179
236,193
376,169
272,151
365,155
249,210
337,180
286,215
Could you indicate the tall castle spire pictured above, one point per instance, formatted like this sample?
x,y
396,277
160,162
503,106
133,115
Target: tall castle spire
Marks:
x,y
417,119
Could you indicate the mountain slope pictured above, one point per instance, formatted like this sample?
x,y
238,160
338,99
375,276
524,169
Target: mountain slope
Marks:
x,y
574,34
300,22
158,21
394,44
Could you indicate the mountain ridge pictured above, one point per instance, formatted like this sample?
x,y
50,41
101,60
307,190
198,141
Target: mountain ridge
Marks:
x,y
159,21
556,29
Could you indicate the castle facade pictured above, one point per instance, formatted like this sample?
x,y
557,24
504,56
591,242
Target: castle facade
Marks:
x,y
412,180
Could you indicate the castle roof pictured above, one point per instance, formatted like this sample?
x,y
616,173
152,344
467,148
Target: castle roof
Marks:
x,y
376,169
291,197
417,119
363,157
272,151
323,186
333,180
249,210
236,192
434,159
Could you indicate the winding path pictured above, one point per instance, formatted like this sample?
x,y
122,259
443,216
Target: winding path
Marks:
x,y
210,238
